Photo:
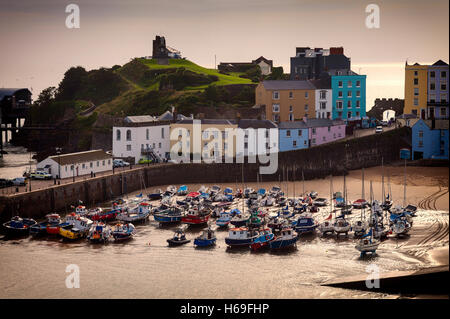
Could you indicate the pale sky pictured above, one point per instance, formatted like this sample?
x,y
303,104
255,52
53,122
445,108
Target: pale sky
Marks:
x,y
37,48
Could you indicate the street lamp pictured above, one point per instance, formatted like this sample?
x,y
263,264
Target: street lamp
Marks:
x,y
58,151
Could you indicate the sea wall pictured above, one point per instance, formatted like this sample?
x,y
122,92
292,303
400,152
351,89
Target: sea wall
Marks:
x,y
317,162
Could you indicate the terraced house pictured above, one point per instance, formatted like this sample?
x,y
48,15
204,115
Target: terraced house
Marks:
x,y
349,95
286,100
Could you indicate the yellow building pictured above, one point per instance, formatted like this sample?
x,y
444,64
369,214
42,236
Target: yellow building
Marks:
x,y
286,100
205,133
416,84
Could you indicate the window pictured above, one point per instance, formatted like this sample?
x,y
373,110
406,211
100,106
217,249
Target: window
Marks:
x,y
323,95
443,74
340,84
291,95
420,143
83,166
275,95
416,101
358,103
443,98
109,162
358,84
294,143
349,84
98,163
92,164
357,114
443,86
314,130
313,141
225,145
159,145
162,132
432,86
414,112
290,108
276,108
432,74
349,114
306,95
323,105
147,134
323,138
358,93
349,94
420,134
329,128
299,132
415,73
288,133
340,94
118,135
443,112
339,104
432,98
275,117
103,162
349,103
245,145
416,81
304,143
128,135
416,91
306,107
128,147
291,117
71,167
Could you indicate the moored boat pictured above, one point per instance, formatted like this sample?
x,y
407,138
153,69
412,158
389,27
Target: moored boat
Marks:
x,y
224,219
123,231
18,226
182,190
367,244
241,236
341,226
286,239
179,238
75,227
196,216
170,215
306,224
360,203
264,238
206,239
139,213
99,233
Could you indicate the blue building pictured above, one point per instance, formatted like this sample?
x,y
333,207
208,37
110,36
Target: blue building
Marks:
x,y
293,135
349,96
430,139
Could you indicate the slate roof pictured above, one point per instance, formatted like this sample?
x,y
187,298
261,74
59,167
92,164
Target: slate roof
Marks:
x,y
140,119
207,121
253,123
288,85
81,157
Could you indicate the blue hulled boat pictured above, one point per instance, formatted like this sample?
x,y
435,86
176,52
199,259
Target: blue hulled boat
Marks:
x,y
306,224
170,215
241,237
18,226
206,239
287,239
263,240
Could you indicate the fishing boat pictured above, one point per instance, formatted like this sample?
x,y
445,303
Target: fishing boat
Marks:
x,y
99,233
228,191
320,202
179,238
182,190
75,227
238,193
239,220
135,214
214,190
264,238
313,195
206,239
196,216
155,195
261,193
48,227
360,203
98,214
224,219
306,224
267,201
123,231
275,191
172,190
203,189
399,224
341,226
18,226
248,191
170,215
241,236
81,210
254,221
286,239
367,244
281,201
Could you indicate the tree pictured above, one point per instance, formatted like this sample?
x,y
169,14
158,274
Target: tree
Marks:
x,y
71,83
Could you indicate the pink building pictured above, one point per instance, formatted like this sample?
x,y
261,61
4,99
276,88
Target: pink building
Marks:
x,y
322,131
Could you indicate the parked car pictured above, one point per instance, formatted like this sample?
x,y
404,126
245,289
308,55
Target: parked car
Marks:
x,y
145,161
40,175
120,163
5,183
379,129
19,181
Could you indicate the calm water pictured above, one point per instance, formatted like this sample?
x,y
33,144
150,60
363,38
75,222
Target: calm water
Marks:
x,y
16,162
146,268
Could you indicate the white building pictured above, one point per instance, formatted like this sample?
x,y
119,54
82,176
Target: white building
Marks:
x,y
76,164
323,98
141,138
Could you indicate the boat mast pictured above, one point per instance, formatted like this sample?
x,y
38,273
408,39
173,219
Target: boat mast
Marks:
x,y
331,195
243,197
404,188
303,178
382,182
363,192
294,180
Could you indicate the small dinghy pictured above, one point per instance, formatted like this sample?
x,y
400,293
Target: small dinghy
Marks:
x,y
286,239
18,226
99,233
223,220
155,195
248,191
123,231
313,195
326,226
179,238
206,239
170,215
359,228
263,240
320,202
360,203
